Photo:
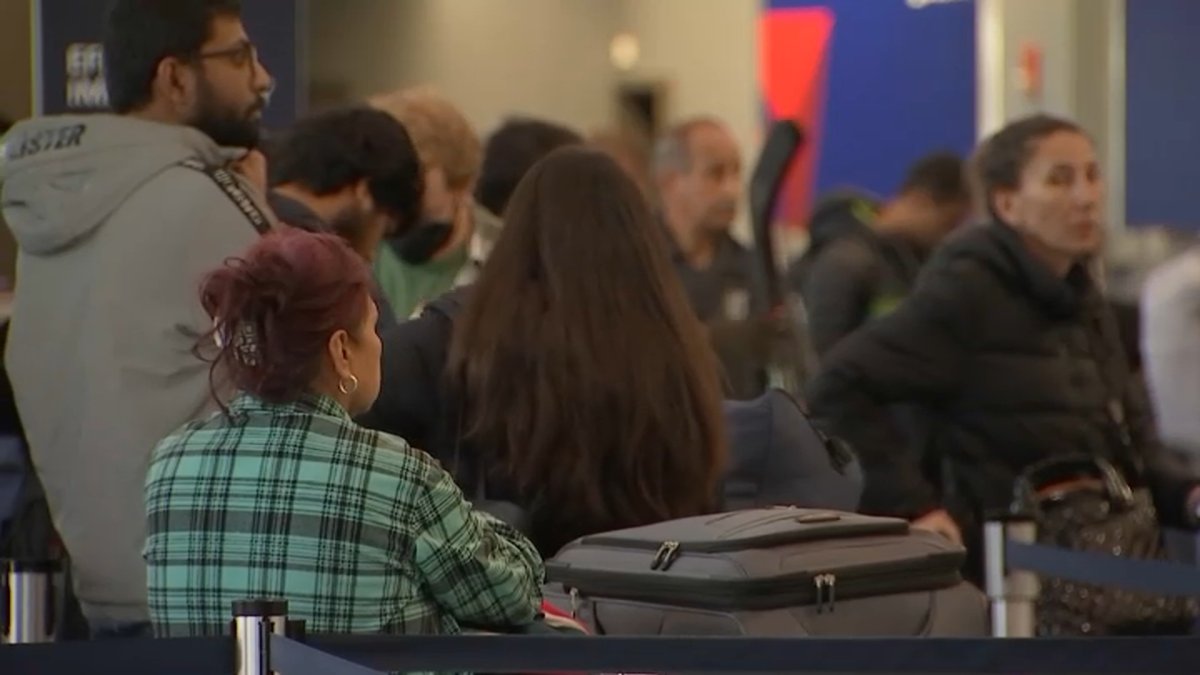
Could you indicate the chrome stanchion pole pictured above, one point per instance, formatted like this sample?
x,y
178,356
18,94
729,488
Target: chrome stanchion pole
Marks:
x,y
993,576
1012,593
29,589
253,623
1023,585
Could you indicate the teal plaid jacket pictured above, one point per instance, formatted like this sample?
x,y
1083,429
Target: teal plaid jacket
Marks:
x,y
358,531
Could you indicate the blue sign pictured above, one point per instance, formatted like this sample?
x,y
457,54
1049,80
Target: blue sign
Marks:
x,y
1162,94
899,83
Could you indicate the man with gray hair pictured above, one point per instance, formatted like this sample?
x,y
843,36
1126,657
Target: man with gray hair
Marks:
x,y
698,173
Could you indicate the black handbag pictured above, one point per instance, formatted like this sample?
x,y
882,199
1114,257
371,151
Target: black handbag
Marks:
x,y
1083,503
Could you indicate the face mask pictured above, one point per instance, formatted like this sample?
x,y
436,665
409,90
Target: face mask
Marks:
x,y
420,244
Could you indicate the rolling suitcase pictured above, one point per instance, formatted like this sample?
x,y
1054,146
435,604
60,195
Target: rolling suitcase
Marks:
x,y
769,572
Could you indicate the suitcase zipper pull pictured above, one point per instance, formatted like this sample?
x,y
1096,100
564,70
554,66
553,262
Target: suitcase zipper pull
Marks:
x,y
574,603
666,554
826,595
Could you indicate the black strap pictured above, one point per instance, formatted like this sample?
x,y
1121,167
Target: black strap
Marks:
x,y
232,188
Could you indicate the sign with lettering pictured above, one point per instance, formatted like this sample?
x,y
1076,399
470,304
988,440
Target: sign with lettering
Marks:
x,y
69,59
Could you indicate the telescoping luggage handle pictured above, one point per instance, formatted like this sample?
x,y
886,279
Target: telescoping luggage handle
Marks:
x,y
29,601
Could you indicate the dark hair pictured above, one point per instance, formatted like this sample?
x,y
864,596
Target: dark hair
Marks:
x,y
139,34
583,368
328,152
1005,153
509,153
275,307
5,125
941,175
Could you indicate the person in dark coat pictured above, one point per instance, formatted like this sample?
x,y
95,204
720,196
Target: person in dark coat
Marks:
x,y
863,258
698,176
1007,350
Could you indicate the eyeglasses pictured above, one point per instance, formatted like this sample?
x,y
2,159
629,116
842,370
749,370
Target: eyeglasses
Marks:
x,y
240,55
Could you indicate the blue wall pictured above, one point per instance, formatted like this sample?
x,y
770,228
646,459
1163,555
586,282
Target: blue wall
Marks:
x,y
901,84
1162,143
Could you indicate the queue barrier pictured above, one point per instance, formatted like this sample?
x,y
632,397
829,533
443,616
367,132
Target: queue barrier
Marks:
x,y
263,640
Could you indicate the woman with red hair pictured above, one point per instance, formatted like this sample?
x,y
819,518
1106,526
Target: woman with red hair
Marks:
x,y
282,495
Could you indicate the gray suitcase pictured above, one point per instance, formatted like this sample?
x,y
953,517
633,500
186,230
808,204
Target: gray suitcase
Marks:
x,y
769,572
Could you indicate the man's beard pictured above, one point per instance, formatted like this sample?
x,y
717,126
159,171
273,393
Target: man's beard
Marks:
x,y
350,223
227,127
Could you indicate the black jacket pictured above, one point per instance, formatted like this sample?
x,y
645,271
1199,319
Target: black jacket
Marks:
x,y
850,273
776,457
1005,364
730,298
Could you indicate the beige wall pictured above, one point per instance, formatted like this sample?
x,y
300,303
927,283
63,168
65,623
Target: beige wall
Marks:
x,y
543,57
547,57
706,51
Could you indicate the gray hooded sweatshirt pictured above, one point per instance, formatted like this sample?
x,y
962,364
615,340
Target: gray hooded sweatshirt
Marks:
x,y
115,237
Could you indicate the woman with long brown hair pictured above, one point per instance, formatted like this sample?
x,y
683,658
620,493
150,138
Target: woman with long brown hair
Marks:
x,y
578,374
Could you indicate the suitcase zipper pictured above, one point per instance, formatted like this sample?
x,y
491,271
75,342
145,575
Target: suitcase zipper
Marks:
x,y
763,541
824,583
819,589
667,552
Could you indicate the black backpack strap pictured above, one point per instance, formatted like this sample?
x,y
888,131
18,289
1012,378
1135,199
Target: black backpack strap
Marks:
x,y
232,188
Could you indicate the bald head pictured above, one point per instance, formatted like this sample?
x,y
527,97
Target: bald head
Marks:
x,y
673,150
698,168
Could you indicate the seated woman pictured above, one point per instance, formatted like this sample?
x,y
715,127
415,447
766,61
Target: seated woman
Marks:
x,y
281,495
576,381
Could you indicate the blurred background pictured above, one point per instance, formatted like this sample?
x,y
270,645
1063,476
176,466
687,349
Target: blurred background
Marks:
x,y
876,83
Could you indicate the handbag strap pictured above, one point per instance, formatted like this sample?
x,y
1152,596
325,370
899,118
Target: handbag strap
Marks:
x,y
1059,469
228,183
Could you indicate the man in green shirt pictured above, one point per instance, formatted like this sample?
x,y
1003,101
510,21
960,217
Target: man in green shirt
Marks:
x,y
409,286
425,263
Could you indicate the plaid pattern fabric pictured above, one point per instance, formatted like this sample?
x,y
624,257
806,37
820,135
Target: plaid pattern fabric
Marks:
x,y
355,529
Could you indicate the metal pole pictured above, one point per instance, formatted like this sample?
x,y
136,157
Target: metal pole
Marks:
x,y
253,623
1023,585
993,576
29,585
1012,593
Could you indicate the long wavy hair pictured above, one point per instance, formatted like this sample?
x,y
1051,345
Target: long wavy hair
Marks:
x,y
587,378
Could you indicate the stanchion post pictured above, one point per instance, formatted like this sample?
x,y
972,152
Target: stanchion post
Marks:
x,y
1023,585
253,623
29,590
1012,593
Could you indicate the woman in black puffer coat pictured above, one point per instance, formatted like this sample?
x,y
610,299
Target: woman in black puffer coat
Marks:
x,y
1007,351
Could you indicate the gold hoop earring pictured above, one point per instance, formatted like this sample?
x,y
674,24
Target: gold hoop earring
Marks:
x,y
347,390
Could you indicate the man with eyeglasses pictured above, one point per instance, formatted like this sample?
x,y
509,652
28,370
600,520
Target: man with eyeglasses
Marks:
x,y
117,217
